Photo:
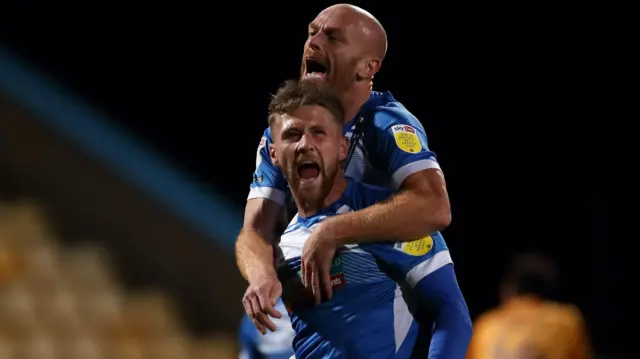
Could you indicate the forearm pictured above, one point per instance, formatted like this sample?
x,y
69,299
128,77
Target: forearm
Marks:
x,y
405,216
254,246
254,254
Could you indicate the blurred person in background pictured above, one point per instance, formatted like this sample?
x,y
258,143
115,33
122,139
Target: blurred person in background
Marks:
x,y
528,324
377,286
388,147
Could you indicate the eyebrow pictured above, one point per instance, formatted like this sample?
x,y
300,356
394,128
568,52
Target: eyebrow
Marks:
x,y
290,129
328,30
287,130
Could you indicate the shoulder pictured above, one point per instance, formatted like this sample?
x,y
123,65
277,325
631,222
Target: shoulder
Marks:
x,y
568,314
267,134
375,191
487,320
265,139
364,195
388,112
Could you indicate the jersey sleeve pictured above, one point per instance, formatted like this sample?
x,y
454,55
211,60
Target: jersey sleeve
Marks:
x,y
268,180
248,340
411,261
401,147
425,265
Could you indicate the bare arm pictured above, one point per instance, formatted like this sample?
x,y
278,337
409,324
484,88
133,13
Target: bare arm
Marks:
x,y
254,246
420,208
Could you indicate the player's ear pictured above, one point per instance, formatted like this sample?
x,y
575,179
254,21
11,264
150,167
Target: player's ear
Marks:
x,y
272,154
344,148
368,68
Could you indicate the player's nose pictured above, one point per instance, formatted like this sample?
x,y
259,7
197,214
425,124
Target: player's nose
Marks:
x,y
305,144
315,42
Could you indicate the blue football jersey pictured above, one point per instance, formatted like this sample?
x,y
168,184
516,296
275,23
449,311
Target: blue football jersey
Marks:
x,y
390,149
273,345
370,315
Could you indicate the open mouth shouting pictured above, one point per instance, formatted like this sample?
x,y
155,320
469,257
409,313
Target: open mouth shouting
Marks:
x,y
315,68
308,171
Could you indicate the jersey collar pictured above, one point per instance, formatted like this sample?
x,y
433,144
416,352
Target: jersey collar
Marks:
x,y
375,99
327,211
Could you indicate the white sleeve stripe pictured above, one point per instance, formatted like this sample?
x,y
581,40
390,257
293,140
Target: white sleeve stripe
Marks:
x,y
403,172
273,194
402,318
417,273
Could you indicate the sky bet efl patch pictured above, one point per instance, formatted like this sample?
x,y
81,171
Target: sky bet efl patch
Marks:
x,y
337,272
419,247
406,138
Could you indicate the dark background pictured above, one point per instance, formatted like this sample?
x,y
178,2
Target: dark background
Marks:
x,y
530,116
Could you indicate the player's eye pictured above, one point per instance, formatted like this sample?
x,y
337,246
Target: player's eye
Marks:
x,y
318,131
291,135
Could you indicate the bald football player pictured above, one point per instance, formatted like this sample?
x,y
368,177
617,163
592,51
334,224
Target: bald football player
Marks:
x,y
388,147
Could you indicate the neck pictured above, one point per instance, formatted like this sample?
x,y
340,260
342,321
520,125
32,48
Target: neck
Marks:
x,y
353,99
307,207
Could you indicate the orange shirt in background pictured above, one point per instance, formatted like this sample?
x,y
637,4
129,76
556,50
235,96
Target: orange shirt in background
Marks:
x,y
529,328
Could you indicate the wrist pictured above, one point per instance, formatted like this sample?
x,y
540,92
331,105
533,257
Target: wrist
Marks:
x,y
261,270
332,234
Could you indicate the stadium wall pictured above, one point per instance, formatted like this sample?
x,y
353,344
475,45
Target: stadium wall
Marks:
x,y
98,183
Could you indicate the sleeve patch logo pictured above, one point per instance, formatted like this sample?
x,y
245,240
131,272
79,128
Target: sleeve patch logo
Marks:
x,y
406,138
418,247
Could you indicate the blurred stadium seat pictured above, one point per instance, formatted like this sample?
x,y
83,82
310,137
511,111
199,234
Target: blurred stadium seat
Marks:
x,y
58,302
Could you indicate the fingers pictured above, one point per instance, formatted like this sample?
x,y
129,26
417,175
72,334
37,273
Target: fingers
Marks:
x,y
306,274
258,306
325,280
264,320
251,307
265,307
272,311
268,307
276,293
310,280
315,286
318,279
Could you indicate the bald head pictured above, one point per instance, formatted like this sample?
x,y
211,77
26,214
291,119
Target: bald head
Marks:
x,y
344,49
373,36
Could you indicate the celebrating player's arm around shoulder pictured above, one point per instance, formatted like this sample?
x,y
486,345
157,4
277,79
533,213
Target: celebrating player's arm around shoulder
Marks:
x,y
344,50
